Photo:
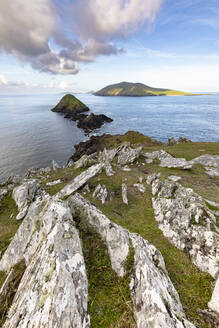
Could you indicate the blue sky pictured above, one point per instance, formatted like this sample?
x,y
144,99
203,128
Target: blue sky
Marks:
x,y
82,45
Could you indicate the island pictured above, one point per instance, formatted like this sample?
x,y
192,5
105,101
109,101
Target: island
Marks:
x,y
129,89
74,109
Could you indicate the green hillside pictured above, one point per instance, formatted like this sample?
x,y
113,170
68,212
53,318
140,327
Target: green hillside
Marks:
x,y
137,90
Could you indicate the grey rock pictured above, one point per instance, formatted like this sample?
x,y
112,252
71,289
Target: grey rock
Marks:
x,y
69,164
126,168
140,187
152,177
86,189
53,183
125,194
156,302
80,180
85,161
214,302
24,195
101,193
158,154
174,178
3,193
53,291
55,165
106,157
117,239
128,155
172,162
14,179
186,221
148,161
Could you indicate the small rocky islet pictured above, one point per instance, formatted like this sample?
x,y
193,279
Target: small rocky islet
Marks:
x,y
74,109
125,235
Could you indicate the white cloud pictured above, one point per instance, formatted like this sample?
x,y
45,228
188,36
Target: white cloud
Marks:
x,y
28,26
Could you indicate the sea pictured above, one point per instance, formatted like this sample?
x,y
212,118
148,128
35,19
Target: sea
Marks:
x,y
32,136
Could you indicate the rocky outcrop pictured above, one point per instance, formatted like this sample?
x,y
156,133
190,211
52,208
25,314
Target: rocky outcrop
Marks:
x,y
156,302
53,183
85,161
141,188
55,165
93,121
210,162
128,155
53,291
80,180
186,221
101,193
24,195
125,194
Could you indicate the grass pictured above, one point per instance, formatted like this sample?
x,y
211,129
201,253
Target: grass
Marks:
x,y
8,222
109,296
194,287
6,302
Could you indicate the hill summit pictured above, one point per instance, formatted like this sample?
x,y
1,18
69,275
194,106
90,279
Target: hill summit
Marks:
x,y
137,90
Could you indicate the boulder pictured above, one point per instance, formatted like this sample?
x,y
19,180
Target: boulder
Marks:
x,y
79,181
214,302
125,194
101,193
140,187
53,183
3,193
55,165
128,155
24,195
186,221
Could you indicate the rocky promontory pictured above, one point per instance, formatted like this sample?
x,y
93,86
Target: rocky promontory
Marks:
x,y
127,236
74,109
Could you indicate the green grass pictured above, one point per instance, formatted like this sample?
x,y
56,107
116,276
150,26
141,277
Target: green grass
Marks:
x,y
109,297
6,302
8,222
194,287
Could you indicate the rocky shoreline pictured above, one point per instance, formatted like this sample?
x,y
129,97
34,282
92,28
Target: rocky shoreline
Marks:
x,y
61,210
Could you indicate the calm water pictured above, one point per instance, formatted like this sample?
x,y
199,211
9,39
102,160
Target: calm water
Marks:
x,y
31,135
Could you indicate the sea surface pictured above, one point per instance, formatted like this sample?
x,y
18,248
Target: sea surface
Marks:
x,y
32,136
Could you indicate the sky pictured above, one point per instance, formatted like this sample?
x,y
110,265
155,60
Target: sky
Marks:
x,y
50,46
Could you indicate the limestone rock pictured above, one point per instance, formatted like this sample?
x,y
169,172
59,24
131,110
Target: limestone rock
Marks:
x,y
152,177
156,302
86,189
117,238
55,165
53,183
214,302
106,157
126,168
128,155
125,194
80,180
140,187
186,221
24,195
158,154
3,193
174,178
85,161
101,193
53,291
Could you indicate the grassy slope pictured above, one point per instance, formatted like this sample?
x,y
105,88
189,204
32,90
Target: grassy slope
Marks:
x,y
194,287
137,89
70,103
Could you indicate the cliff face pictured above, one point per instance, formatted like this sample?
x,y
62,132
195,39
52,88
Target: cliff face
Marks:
x,y
94,238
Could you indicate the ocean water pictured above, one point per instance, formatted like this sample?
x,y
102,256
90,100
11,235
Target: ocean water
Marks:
x,y
31,135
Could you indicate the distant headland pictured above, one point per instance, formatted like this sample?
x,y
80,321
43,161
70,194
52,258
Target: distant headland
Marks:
x,y
138,90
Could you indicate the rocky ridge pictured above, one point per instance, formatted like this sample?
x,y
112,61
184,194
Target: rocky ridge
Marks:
x,y
53,291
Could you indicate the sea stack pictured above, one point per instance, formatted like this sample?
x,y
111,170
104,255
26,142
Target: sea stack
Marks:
x,y
70,105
